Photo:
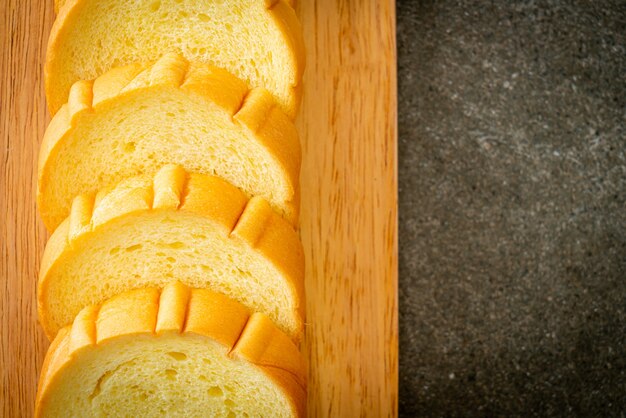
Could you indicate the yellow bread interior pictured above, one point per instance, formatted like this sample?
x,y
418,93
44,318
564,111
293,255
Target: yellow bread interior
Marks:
x,y
135,119
260,41
181,352
194,228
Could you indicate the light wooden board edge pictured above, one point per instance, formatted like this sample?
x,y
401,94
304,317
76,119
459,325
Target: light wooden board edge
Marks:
x,y
349,206
23,117
349,184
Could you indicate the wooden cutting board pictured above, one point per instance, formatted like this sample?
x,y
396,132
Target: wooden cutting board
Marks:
x,y
349,202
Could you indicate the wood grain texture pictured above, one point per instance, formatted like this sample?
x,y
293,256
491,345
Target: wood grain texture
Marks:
x,y
349,200
348,222
23,118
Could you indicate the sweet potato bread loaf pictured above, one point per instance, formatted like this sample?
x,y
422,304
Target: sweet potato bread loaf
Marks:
x,y
148,231
179,353
260,41
134,119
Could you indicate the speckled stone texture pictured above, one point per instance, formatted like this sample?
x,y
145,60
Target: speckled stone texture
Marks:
x,y
512,165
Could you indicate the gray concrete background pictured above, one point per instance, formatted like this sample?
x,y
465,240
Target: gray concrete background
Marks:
x,y
512,165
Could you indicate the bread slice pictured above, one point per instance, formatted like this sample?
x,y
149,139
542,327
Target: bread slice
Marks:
x,y
59,3
260,41
136,118
178,353
194,228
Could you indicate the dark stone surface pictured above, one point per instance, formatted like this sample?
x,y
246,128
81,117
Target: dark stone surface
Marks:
x,y
512,165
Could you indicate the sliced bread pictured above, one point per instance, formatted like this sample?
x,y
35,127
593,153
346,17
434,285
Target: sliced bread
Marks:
x,y
195,228
59,3
179,353
260,41
134,119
